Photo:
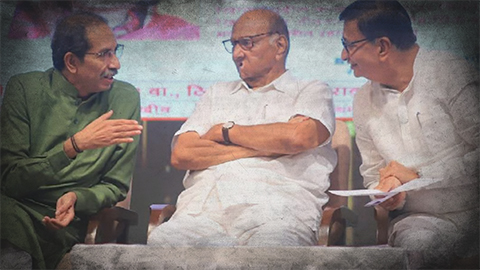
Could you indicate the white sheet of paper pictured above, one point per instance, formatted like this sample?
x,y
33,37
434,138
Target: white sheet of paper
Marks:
x,y
358,192
412,185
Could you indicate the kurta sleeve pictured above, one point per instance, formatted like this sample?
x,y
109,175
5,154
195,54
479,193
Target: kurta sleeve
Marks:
x,y
463,107
372,161
118,172
23,174
200,120
316,101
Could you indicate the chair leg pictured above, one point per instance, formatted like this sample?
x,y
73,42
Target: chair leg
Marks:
x,y
382,219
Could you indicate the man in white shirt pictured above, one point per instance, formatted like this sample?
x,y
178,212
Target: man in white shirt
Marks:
x,y
417,117
257,150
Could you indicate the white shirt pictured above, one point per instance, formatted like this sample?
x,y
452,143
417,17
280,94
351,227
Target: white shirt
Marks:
x,y
294,181
431,127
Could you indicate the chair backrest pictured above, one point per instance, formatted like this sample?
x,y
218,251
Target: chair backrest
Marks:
x,y
342,144
332,227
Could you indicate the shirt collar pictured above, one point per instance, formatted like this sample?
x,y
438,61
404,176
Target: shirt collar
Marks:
x,y
284,84
60,83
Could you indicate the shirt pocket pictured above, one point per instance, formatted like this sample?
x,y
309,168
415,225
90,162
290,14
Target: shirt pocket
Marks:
x,y
437,129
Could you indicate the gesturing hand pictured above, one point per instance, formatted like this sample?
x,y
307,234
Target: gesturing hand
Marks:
x,y
64,213
104,131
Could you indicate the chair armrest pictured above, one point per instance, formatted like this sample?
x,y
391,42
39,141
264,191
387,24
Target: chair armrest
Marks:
x,y
159,213
335,220
110,225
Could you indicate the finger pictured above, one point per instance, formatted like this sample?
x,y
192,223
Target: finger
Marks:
x,y
45,220
395,201
61,209
106,115
49,223
57,224
126,134
103,117
61,215
63,205
382,186
298,119
122,140
385,173
124,122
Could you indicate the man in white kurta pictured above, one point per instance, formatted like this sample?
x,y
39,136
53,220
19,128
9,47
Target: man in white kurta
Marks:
x,y
417,118
262,189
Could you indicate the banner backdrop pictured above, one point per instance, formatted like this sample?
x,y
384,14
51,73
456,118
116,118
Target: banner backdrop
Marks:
x,y
174,52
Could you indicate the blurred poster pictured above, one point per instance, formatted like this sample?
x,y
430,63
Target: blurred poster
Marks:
x,y
174,53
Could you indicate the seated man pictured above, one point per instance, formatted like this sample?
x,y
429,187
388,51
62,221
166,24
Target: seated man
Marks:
x,y
417,117
257,150
68,142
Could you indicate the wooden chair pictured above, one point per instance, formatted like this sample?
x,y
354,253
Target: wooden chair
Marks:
x,y
336,215
111,225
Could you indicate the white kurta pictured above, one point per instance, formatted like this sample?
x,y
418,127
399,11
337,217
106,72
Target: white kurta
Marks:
x,y
234,200
431,127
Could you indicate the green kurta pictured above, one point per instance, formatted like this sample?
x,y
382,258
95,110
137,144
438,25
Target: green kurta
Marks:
x,y
40,111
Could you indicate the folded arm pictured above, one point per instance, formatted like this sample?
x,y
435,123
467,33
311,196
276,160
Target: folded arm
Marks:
x,y
192,152
297,135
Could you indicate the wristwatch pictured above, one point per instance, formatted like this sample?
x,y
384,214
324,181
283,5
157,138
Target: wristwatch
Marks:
x,y
225,128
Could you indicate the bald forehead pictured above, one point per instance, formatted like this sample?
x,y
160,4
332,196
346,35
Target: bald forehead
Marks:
x,y
255,20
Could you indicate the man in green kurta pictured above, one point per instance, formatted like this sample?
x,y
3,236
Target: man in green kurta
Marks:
x,y
68,142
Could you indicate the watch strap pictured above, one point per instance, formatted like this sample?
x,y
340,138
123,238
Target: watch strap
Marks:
x,y
225,131
226,138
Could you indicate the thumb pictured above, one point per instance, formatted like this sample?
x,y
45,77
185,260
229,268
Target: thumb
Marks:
x,y
106,115
103,117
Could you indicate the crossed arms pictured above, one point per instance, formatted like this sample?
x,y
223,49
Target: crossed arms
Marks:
x,y
195,152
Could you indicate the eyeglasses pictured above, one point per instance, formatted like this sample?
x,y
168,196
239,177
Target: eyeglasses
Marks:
x,y
350,44
245,43
108,54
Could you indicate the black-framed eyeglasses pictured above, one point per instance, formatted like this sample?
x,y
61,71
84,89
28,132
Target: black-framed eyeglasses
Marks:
x,y
108,54
245,43
350,44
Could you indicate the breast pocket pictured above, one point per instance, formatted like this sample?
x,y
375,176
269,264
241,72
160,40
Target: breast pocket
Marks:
x,y
437,129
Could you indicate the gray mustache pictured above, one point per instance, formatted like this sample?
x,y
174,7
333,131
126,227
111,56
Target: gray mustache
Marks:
x,y
110,72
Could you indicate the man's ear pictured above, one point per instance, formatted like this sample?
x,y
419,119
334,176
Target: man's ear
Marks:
x,y
384,47
71,62
282,45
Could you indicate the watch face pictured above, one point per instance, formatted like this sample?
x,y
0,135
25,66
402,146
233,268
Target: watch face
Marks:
x,y
228,125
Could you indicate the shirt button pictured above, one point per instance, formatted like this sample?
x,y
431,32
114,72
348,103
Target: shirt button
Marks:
x,y
75,121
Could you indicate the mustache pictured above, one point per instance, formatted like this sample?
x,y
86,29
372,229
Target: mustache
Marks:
x,y
110,73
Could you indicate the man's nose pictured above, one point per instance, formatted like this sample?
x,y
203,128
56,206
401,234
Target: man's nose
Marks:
x,y
114,62
237,52
344,54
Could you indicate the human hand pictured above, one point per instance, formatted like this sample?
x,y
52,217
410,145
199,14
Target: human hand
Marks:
x,y
214,134
298,119
386,185
104,132
64,214
398,171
